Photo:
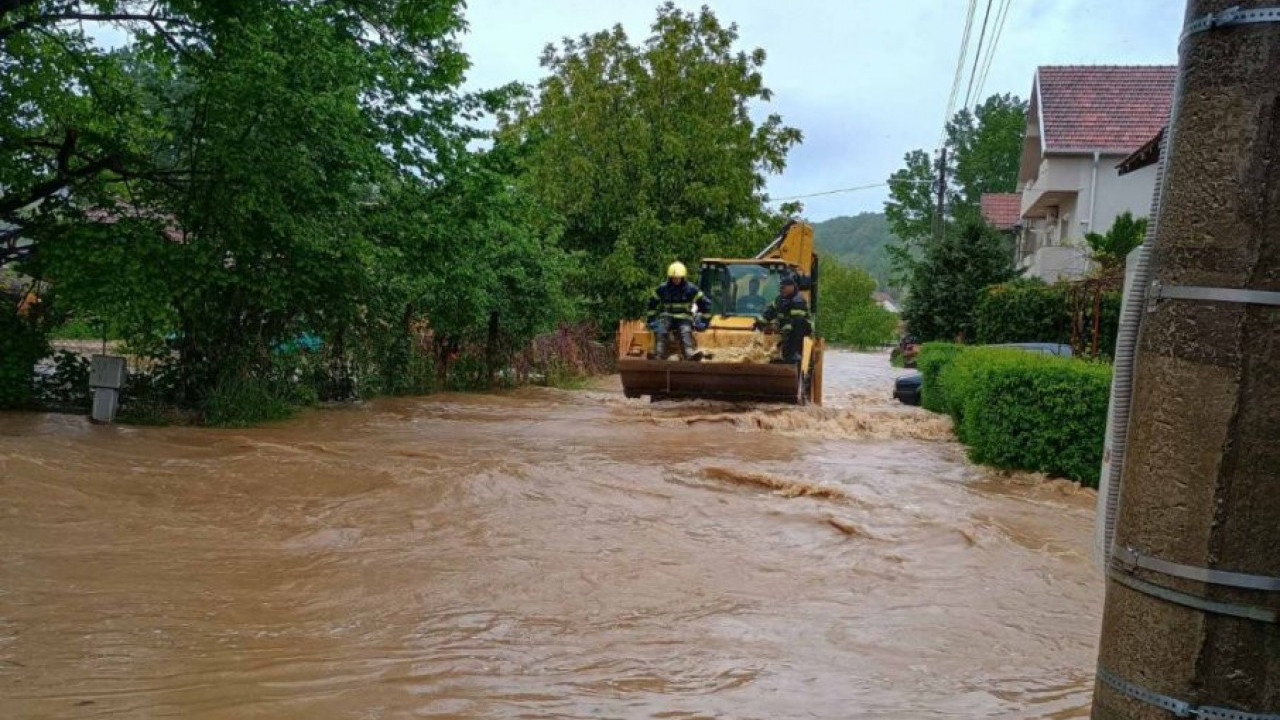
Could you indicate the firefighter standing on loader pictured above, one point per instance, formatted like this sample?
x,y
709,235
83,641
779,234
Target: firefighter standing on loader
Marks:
x,y
790,313
671,310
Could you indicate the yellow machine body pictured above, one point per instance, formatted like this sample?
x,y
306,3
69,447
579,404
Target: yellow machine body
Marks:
x,y
729,328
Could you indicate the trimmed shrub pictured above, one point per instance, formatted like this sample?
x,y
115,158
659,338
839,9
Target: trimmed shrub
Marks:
x,y
1028,310
931,361
1026,411
1023,310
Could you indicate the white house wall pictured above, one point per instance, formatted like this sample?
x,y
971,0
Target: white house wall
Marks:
x,y
1053,246
1122,193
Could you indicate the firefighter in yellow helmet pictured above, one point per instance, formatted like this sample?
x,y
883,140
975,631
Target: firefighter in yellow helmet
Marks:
x,y
671,311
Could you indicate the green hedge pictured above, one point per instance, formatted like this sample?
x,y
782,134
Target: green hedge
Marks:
x,y
931,360
1021,410
1028,310
1023,310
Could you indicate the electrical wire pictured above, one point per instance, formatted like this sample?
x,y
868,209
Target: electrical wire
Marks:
x,y
1001,15
959,72
982,34
838,191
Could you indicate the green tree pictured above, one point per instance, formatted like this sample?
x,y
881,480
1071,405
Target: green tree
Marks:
x,y
848,315
947,283
648,152
1112,247
912,208
984,147
264,144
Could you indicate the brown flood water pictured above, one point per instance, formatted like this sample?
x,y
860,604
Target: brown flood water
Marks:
x,y
540,553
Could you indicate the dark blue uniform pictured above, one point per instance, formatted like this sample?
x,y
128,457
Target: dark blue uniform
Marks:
x,y
671,310
791,315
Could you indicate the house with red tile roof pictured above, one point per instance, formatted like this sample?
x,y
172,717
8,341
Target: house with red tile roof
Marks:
x,y
1002,210
1083,122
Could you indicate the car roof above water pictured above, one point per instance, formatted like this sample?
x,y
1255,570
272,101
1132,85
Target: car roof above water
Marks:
x,y
1046,348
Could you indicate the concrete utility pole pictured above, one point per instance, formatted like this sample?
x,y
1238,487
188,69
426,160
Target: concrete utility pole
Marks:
x,y
1193,596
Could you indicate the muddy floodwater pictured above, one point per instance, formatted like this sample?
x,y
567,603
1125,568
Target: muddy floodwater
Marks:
x,y
541,553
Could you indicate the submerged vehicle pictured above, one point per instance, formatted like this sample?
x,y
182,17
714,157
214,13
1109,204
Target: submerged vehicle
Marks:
x,y
737,290
907,389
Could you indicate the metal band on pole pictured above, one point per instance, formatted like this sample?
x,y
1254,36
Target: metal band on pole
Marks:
x,y
1229,17
1128,557
1180,708
1249,612
1192,292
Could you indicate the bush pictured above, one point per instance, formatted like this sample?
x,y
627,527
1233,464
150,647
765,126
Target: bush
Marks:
x,y
1028,310
22,343
931,361
1021,410
242,401
1023,310
67,386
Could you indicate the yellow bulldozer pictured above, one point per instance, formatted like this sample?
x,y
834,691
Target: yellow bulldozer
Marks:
x,y
728,371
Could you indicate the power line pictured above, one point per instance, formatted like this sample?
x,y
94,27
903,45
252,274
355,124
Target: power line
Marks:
x,y
1001,15
959,73
838,191
981,36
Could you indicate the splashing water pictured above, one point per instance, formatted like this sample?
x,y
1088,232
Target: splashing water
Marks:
x,y
541,553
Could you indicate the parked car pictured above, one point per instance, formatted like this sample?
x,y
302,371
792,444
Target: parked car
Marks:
x,y
907,388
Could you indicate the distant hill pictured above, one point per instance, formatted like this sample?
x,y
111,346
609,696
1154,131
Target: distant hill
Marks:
x,y
858,240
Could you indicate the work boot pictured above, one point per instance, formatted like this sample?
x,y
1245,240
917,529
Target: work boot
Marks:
x,y
687,349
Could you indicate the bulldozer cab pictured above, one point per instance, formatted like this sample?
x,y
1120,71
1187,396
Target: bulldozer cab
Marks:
x,y
740,289
744,288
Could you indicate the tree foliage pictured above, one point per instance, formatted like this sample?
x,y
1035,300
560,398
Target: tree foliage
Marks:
x,y
947,283
648,151
984,146
848,315
1112,247
234,176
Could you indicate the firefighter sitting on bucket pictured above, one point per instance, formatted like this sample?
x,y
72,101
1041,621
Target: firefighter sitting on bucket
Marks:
x,y
790,314
671,311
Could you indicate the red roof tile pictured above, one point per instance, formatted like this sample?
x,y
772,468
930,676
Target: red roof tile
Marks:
x,y
1002,210
1103,107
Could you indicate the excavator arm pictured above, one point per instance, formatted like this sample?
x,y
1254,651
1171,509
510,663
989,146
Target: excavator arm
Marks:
x,y
794,246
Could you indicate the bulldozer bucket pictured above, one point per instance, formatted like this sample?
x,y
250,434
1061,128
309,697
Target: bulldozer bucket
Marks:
x,y
753,382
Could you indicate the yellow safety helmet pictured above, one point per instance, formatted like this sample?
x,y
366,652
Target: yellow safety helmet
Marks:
x,y
677,270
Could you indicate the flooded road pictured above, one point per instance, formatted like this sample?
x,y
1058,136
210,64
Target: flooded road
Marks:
x,y
540,553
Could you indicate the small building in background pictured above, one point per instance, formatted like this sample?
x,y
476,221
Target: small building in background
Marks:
x,y
1082,122
885,301
1003,211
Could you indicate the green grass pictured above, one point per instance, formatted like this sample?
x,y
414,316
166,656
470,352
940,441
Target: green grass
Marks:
x,y
244,401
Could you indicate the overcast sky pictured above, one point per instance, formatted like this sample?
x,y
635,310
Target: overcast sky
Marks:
x,y
865,80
